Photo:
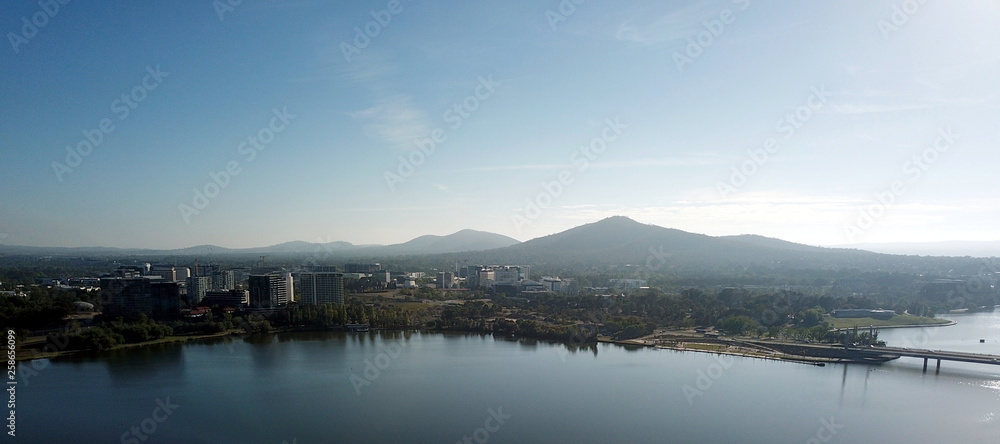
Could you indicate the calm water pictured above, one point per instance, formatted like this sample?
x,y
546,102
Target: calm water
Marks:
x,y
434,388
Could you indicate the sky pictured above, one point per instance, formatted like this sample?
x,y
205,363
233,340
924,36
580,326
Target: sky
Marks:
x,y
241,124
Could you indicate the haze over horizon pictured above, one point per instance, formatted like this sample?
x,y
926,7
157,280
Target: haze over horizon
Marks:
x,y
351,122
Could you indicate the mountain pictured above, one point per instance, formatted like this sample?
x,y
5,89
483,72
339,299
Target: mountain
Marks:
x,y
618,245
622,244
948,248
465,240
616,238
770,242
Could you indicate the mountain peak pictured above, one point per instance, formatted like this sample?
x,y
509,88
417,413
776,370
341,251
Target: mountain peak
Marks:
x,y
463,240
618,220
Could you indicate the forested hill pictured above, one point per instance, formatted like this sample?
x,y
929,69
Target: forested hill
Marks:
x,y
622,243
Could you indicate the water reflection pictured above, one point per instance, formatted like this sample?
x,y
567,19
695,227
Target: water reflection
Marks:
x,y
439,386
136,366
574,348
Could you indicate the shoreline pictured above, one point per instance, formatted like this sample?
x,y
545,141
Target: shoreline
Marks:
x,y
641,342
39,354
735,347
36,353
761,354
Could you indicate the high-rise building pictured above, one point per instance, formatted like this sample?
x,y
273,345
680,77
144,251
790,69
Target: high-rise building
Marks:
x,y
321,288
204,269
164,298
269,290
381,279
167,272
483,276
487,277
445,279
126,296
223,280
226,298
196,288
131,297
289,286
362,268
507,274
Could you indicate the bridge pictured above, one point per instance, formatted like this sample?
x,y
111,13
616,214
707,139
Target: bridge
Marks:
x,y
939,355
867,355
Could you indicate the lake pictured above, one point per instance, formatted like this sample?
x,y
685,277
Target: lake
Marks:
x,y
444,388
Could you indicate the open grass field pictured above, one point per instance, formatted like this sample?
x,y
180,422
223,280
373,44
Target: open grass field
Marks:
x,y
896,321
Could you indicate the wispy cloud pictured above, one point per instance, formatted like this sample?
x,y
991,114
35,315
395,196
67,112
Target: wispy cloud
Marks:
x,y
694,160
394,120
675,25
393,117
867,108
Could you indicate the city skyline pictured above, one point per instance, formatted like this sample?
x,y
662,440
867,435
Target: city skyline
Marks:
x,y
266,122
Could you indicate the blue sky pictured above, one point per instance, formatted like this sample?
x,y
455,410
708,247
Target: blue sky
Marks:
x,y
566,113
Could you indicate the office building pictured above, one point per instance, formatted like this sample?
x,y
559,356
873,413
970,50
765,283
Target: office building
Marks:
x,y
445,279
126,296
226,298
196,288
270,290
223,280
321,288
164,299
362,268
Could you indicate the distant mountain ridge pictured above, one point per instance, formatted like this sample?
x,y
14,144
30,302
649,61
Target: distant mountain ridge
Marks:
x,y
621,241
945,248
464,240
618,245
622,244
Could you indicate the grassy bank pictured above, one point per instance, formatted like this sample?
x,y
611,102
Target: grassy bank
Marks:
x,y
896,321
